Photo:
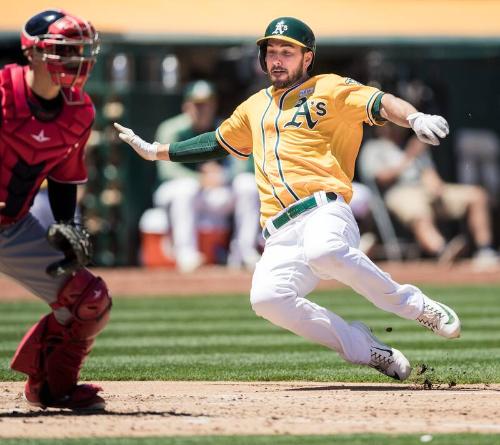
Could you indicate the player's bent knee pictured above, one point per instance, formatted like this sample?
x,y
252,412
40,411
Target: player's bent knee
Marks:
x,y
260,297
266,308
270,303
87,298
271,310
282,311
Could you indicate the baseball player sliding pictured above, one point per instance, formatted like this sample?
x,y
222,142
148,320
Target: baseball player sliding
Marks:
x,y
304,133
45,121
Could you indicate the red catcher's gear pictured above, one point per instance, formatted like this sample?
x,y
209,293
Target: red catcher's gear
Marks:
x,y
52,354
67,44
31,150
82,398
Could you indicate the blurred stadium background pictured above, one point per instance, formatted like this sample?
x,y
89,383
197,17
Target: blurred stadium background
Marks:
x,y
152,48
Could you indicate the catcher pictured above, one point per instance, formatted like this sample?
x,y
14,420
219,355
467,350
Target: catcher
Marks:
x,y
45,121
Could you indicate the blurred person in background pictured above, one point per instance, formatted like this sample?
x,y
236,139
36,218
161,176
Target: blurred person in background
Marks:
x,y
415,193
204,196
361,206
45,122
478,162
478,159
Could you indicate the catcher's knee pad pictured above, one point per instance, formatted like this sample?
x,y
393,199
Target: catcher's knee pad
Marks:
x,y
53,353
88,299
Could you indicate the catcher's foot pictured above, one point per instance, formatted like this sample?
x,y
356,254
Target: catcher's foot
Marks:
x,y
82,398
383,358
32,390
440,319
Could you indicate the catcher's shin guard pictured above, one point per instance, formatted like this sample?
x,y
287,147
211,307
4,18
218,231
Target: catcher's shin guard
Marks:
x,y
53,353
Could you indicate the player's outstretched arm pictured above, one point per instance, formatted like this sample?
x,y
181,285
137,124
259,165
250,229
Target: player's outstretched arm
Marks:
x,y
428,128
150,152
203,147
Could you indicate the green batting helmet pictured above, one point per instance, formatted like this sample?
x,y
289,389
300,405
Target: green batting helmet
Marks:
x,y
291,30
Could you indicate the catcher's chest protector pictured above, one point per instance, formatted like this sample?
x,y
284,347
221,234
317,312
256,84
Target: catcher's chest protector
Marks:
x,y
30,148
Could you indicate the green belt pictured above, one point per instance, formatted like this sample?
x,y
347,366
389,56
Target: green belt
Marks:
x,y
295,210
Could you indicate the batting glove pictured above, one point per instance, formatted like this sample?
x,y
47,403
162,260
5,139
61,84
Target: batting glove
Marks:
x,y
144,149
428,127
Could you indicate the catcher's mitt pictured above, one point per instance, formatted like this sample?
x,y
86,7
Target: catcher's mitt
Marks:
x,y
74,242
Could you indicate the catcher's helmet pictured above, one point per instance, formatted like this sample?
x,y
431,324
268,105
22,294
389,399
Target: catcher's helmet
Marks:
x,y
67,44
291,30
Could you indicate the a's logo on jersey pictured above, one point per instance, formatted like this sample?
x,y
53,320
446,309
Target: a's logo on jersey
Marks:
x,y
40,137
280,28
304,108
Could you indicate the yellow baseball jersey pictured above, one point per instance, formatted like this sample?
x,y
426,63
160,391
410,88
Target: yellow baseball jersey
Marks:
x,y
303,139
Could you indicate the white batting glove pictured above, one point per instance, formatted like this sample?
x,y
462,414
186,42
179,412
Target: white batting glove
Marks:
x,y
428,128
144,149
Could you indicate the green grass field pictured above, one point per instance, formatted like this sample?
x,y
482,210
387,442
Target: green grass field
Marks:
x,y
220,338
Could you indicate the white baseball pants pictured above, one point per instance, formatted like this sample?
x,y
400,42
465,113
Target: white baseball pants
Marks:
x,y
25,254
322,244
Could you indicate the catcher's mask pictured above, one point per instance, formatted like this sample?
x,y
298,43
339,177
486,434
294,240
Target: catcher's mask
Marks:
x,y
291,30
67,44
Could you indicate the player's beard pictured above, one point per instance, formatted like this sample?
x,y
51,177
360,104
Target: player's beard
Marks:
x,y
292,78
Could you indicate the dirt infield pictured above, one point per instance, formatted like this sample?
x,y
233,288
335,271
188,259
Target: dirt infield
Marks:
x,y
220,280
215,408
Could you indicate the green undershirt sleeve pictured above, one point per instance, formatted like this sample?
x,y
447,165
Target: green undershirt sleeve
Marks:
x,y
376,108
200,148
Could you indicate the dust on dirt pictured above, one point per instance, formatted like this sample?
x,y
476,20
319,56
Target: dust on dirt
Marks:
x,y
246,408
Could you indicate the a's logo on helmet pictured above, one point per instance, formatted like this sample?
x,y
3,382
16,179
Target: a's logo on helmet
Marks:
x,y
280,27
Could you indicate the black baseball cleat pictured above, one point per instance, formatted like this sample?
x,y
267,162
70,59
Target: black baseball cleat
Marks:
x,y
387,360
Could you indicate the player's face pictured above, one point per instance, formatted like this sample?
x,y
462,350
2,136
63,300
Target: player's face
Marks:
x,y
286,63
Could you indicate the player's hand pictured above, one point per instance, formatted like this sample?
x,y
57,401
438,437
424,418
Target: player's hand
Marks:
x,y
2,204
144,149
428,128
